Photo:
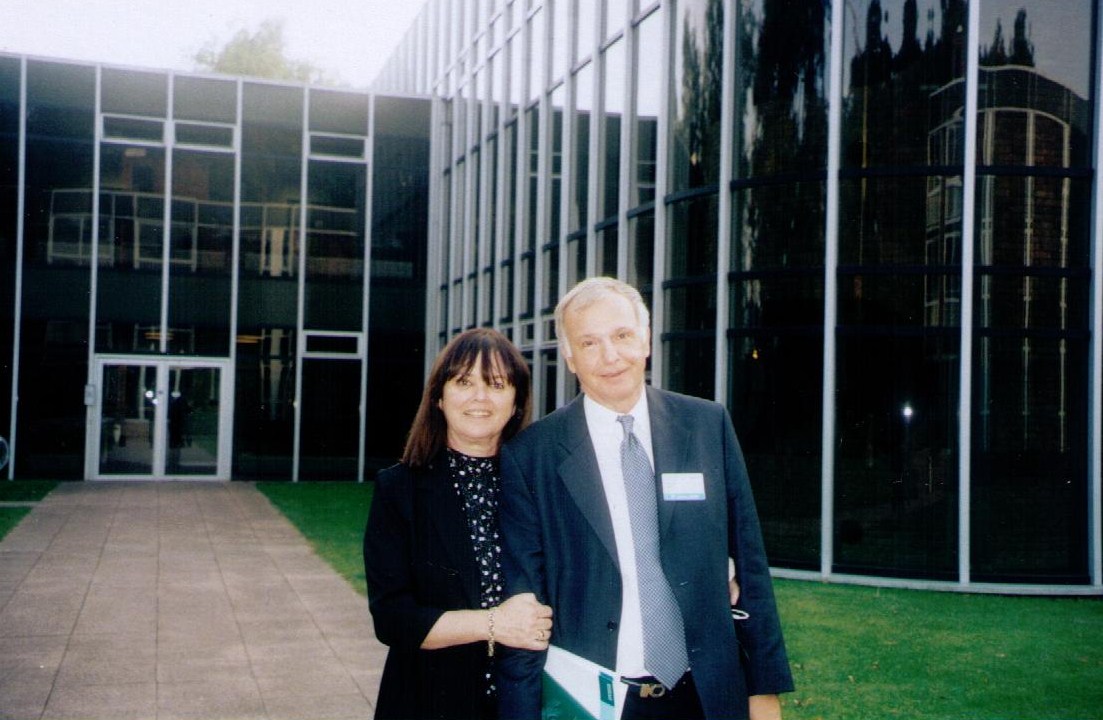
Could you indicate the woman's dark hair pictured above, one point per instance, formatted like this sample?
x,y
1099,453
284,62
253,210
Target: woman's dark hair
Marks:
x,y
429,431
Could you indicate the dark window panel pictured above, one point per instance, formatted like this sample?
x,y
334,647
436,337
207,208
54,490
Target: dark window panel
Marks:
x,y
134,92
204,99
697,70
896,455
338,112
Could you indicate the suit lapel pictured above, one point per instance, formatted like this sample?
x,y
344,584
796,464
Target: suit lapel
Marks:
x,y
582,477
670,438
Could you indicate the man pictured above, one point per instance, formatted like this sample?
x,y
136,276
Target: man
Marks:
x,y
638,584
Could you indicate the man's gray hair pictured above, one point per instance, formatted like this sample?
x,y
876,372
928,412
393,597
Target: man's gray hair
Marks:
x,y
590,291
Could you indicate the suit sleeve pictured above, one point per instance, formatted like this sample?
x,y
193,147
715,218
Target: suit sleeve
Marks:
x,y
400,619
520,672
767,668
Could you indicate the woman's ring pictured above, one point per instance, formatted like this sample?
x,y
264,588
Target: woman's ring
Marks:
x,y
540,635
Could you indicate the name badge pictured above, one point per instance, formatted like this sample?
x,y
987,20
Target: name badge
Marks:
x,y
683,486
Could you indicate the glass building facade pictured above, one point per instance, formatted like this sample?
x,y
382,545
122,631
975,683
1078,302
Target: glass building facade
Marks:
x,y
870,228
207,277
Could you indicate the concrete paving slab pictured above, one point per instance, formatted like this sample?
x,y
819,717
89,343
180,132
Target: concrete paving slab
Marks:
x,y
176,600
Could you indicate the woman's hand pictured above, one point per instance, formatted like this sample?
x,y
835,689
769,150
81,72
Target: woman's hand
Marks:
x,y
522,622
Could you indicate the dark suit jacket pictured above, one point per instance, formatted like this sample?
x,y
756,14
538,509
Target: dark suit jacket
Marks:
x,y
559,544
419,562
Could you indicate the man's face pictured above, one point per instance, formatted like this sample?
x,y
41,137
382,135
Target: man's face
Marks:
x,y
609,351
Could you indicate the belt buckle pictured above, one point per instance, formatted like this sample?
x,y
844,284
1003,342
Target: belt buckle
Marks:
x,y
646,690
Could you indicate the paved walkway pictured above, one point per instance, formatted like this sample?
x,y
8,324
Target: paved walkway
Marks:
x,y
176,600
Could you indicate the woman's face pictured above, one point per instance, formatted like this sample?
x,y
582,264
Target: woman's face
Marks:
x,y
476,411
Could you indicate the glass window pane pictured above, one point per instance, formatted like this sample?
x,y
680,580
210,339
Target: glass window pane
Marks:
x,y
607,239
560,42
776,380
509,178
132,92
210,135
330,421
693,225
10,113
193,418
895,458
516,75
271,167
131,256
337,146
901,81
536,55
532,177
497,92
898,364
204,99
54,325
613,94
134,129
616,13
1029,466
585,28
338,112
1030,373
781,72
201,253
1035,79
128,406
648,90
335,246
264,416
690,358
641,253
580,173
555,183
551,279
697,69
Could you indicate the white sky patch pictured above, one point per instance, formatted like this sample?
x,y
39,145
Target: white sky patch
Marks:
x,y
350,39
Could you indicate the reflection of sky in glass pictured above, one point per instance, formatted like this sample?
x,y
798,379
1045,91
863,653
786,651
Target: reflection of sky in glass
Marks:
x,y
691,16
615,15
854,20
585,29
1060,32
584,88
614,78
648,84
536,55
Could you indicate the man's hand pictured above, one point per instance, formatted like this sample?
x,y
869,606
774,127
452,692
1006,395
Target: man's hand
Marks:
x,y
765,707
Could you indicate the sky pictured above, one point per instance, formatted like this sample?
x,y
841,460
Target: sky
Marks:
x,y
350,39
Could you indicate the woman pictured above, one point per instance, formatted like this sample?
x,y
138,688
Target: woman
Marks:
x,y
431,548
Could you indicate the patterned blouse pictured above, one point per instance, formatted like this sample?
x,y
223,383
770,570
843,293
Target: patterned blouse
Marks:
x,y
476,481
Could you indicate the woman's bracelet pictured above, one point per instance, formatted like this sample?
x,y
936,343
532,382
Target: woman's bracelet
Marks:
x,y
490,633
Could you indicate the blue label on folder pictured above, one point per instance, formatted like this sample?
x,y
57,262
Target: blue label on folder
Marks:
x,y
605,681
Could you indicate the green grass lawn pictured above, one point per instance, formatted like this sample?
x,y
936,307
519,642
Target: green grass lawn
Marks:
x,y
21,491
331,515
857,653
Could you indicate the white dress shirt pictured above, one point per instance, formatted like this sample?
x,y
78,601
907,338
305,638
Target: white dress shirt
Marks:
x,y
607,434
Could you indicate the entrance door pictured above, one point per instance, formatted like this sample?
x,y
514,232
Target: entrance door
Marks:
x,y
158,418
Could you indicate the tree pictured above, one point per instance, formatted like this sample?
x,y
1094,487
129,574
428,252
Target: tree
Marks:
x,y
259,54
